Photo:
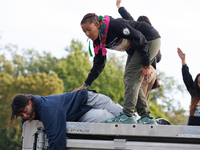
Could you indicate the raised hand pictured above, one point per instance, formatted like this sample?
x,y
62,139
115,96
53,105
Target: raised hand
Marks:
x,y
118,2
181,55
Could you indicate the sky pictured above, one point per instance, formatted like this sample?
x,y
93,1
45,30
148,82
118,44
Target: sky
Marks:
x,y
50,25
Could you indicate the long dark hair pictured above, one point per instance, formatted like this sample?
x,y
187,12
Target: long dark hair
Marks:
x,y
18,105
91,18
195,94
144,19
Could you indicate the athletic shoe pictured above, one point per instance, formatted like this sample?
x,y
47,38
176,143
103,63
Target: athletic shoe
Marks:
x,y
122,118
136,116
162,121
147,120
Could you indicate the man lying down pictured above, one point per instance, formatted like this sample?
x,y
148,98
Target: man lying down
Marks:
x,y
54,110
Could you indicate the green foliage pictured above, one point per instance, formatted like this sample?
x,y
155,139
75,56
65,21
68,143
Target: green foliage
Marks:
x,y
110,81
156,109
74,68
40,83
7,143
169,106
26,61
5,65
10,139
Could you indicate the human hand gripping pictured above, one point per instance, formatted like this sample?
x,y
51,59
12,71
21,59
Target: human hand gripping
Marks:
x,y
146,72
118,2
80,88
181,55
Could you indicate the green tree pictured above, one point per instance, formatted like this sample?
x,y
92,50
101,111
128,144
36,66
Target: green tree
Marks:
x,y
169,107
73,69
40,83
9,139
110,81
26,61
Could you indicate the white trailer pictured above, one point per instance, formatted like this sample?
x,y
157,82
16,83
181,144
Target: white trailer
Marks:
x,y
104,136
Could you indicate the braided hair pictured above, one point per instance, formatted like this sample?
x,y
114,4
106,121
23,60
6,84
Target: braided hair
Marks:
x,y
91,18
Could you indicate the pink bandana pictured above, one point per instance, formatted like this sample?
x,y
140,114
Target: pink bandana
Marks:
x,y
103,31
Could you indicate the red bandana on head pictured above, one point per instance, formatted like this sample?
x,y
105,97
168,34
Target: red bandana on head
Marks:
x,y
103,31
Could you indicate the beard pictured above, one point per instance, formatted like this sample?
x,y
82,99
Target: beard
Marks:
x,y
32,115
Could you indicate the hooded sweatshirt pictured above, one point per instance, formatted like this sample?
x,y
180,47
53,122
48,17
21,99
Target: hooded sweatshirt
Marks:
x,y
55,110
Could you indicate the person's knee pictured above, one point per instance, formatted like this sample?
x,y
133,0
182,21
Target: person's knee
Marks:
x,y
96,116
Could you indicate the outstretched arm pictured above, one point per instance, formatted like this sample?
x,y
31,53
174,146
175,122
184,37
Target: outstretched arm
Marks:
x,y
122,11
181,55
118,3
99,63
187,77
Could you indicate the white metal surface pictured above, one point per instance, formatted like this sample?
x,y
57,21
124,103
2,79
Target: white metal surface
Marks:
x,y
101,136
28,134
175,131
75,144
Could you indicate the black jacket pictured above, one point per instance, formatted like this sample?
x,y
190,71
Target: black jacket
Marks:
x,y
126,15
136,39
188,81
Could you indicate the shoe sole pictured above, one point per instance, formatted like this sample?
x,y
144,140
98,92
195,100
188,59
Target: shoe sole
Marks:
x,y
153,122
123,122
129,122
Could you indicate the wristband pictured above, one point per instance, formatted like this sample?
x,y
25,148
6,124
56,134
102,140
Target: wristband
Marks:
x,y
146,67
86,85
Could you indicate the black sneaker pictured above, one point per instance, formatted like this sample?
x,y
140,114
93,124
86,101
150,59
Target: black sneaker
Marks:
x,y
162,121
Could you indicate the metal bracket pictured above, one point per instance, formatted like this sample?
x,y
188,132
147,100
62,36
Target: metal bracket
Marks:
x,y
41,139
